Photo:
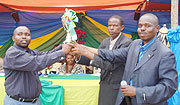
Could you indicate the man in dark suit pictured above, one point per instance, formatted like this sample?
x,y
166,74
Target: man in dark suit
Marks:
x,y
110,79
150,70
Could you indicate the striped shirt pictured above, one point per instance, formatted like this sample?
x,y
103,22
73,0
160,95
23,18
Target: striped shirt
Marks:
x,y
144,48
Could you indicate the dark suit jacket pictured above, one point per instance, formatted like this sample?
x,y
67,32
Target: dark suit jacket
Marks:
x,y
110,78
155,76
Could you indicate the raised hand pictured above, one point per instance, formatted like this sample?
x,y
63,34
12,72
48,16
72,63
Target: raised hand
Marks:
x,y
66,48
82,50
78,49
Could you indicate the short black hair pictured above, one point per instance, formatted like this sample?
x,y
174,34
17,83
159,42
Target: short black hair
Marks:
x,y
119,18
20,27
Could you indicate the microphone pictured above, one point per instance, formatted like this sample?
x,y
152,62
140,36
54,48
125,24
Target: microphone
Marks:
x,y
124,83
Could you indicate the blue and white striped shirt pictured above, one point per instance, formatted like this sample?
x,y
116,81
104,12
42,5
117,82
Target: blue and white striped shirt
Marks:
x,y
144,48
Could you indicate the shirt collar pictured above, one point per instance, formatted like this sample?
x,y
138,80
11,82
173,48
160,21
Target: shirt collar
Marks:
x,y
20,48
114,40
147,45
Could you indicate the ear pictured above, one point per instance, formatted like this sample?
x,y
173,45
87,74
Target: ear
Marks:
x,y
13,38
122,27
158,28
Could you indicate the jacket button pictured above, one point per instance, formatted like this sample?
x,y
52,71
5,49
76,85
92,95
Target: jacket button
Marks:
x,y
110,72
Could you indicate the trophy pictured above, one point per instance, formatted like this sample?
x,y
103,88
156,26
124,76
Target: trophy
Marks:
x,y
68,20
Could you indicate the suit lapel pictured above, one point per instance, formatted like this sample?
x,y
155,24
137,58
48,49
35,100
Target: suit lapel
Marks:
x,y
147,56
104,72
134,61
108,43
136,53
116,45
118,42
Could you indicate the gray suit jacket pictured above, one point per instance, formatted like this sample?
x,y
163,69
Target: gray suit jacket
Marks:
x,y
110,78
155,76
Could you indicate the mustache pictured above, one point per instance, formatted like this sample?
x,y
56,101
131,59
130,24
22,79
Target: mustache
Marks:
x,y
23,40
111,32
143,33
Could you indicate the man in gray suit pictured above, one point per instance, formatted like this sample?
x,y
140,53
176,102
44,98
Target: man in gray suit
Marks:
x,y
111,78
150,70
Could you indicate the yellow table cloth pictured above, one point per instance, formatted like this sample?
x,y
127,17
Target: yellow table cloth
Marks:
x,y
78,89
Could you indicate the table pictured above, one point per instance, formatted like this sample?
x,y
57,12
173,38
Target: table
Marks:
x,y
78,89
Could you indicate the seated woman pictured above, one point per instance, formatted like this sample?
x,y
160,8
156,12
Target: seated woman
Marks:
x,y
70,67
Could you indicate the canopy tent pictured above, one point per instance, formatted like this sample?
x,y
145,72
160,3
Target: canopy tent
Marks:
x,y
52,6
77,5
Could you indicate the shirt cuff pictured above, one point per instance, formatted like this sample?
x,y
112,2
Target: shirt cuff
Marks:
x,y
91,62
61,55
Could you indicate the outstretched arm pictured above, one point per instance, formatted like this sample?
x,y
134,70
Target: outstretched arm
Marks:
x,y
33,62
90,49
82,50
113,56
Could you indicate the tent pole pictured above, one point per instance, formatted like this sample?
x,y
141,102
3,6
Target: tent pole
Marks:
x,y
174,13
